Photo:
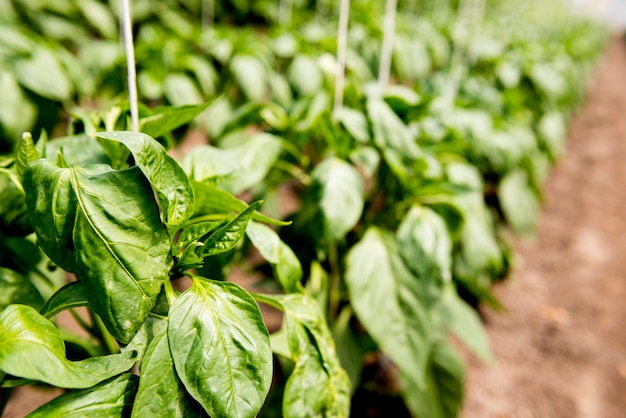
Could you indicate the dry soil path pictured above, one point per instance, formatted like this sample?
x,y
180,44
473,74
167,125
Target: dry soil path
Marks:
x,y
561,345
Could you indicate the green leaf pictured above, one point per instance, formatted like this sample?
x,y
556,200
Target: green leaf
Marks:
x,y
349,351
443,396
77,150
285,263
25,154
43,74
72,295
221,348
162,171
166,119
355,123
86,215
32,348
195,232
340,189
161,393
552,128
110,399
318,386
251,76
244,165
389,130
426,248
465,323
519,202
212,201
377,277
181,89
15,288
228,236
305,75
17,112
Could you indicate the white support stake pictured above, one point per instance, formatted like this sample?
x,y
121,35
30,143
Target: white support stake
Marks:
x,y
389,30
340,68
130,63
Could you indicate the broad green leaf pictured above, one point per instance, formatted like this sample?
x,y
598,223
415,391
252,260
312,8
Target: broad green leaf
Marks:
x,y
443,396
426,248
100,17
243,166
221,348
162,171
553,130
519,202
25,154
377,277
15,288
305,75
166,119
228,236
181,89
389,130
400,97
82,215
355,123
161,393
211,201
218,113
72,295
318,386
32,348
340,190
251,76
77,150
464,322
17,112
283,260
110,399
208,163
43,74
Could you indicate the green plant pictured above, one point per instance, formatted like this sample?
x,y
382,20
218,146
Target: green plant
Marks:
x,y
127,233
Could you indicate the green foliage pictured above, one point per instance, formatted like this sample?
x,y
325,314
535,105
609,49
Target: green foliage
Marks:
x,y
391,207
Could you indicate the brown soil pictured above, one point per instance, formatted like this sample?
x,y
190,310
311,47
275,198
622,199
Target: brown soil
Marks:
x,y
560,347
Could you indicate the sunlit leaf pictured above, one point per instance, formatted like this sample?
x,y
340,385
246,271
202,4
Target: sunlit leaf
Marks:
x,y
377,277
32,348
285,263
104,226
162,171
110,399
221,348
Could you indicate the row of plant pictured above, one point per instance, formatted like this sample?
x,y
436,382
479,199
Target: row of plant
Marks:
x,y
398,196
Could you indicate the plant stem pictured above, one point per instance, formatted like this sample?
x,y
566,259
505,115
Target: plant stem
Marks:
x,y
101,332
170,294
389,29
340,68
130,63
81,322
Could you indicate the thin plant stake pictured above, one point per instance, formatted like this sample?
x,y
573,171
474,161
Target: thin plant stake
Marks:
x,y
130,63
340,68
389,29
